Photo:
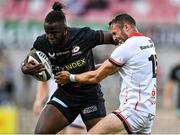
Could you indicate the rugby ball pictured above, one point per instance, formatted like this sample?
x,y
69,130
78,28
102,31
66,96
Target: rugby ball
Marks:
x,y
40,57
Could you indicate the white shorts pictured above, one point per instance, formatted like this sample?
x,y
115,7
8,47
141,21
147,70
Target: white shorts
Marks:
x,y
78,122
134,121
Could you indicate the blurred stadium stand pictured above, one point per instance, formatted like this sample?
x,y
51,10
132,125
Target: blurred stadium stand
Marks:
x,y
158,18
22,20
154,11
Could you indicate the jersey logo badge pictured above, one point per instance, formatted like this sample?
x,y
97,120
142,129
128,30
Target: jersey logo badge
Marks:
x,y
51,55
75,50
90,109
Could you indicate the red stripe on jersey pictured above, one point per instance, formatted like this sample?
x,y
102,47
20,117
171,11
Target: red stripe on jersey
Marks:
x,y
136,34
125,120
115,62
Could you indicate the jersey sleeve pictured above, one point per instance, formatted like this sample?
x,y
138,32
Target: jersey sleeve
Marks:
x,y
36,44
39,43
93,37
120,55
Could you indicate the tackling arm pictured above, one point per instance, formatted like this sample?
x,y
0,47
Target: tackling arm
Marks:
x,y
90,77
108,38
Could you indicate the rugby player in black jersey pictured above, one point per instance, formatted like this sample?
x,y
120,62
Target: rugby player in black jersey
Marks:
x,y
69,49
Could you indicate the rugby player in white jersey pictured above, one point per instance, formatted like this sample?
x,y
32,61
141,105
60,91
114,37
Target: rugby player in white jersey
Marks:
x,y
135,60
45,90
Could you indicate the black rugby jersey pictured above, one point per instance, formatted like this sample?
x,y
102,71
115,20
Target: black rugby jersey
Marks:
x,y
76,57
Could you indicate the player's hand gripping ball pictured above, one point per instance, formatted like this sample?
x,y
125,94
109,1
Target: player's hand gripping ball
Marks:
x,y
39,57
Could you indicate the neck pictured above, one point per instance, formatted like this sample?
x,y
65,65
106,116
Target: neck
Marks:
x,y
136,33
132,31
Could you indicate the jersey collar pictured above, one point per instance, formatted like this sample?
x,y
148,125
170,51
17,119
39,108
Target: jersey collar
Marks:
x,y
136,34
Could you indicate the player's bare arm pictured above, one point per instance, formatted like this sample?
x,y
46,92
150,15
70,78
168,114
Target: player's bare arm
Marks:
x,y
41,96
90,77
108,38
106,69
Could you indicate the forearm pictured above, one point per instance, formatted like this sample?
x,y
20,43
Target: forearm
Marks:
x,y
90,77
42,92
98,75
108,38
87,78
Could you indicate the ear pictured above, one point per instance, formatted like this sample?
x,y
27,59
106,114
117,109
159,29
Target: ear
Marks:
x,y
126,26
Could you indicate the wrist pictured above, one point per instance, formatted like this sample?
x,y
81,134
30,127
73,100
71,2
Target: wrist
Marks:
x,y
72,78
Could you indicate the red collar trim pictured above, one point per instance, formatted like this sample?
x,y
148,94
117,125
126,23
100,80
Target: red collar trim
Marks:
x,y
136,34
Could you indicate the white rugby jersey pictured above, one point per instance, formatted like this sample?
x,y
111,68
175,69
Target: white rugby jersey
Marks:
x,y
138,62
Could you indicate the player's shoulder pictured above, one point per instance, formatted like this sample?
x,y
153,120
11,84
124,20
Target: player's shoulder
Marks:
x,y
40,42
41,38
130,45
136,41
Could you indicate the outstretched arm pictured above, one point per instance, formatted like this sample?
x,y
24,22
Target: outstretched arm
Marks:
x,y
108,38
106,69
90,77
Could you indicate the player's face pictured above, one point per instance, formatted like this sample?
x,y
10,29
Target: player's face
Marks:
x,y
56,32
118,33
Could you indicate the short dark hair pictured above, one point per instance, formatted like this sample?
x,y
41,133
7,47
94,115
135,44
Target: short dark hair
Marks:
x,y
122,18
56,15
